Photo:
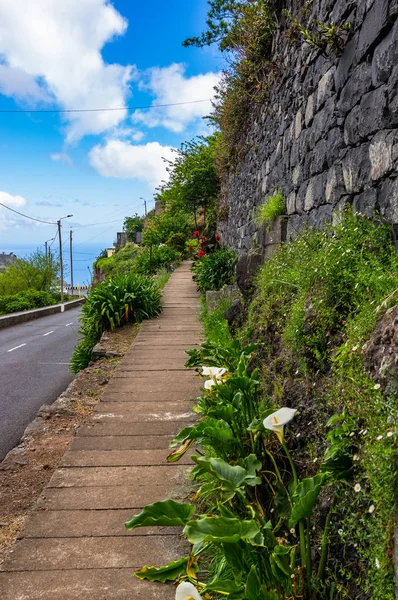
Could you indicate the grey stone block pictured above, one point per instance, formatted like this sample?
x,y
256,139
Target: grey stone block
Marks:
x,y
315,193
375,21
385,57
367,117
388,200
380,154
325,87
334,185
229,292
358,84
356,169
365,203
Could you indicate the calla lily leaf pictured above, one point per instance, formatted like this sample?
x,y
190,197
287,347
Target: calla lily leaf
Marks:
x,y
224,586
179,452
220,529
169,572
305,496
167,513
253,585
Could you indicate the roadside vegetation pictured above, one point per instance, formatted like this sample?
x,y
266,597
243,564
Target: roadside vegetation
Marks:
x,y
296,471
29,283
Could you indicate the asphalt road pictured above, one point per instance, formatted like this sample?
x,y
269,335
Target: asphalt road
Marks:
x,y
34,370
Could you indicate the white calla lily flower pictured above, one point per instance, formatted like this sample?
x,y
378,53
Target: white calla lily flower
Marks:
x,y
209,384
216,372
277,420
187,591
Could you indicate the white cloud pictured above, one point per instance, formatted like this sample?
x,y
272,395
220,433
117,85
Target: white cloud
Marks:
x,y
138,136
169,85
7,218
121,159
62,157
53,48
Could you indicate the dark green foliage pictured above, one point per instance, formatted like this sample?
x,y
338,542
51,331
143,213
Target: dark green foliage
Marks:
x,y
36,272
177,242
213,271
244,30
123,299
324,282
139,260
26,301
132,225
273,207
149,261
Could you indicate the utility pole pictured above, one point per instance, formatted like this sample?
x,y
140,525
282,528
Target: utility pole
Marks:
x,y
141,198
71,261
60,261
61,264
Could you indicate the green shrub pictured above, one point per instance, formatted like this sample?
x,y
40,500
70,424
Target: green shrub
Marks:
x,y
324,282
213,271
272,208
177,242
128,298
150,261
26,300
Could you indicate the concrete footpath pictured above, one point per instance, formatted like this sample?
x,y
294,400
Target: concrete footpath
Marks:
x,y
74,545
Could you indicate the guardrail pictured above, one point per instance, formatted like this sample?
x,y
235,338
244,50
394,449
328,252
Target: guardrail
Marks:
x,y
29,315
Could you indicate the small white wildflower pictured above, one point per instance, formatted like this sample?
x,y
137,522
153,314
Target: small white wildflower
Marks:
x,y
357,487
272,510
376,386
364,432
371,508
352,433
379,437
340,532
298,435
292,530
389,433
377,563
355,457
355,545
315,459
354,348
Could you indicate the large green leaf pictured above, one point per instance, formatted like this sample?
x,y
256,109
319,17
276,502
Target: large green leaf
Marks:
x,y
167,573
220,529
305,496
223,586
253,585
234,476
167,513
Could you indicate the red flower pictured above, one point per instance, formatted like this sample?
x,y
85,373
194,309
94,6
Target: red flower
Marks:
x,y
201,253
190,249
217,237
203,238
196,234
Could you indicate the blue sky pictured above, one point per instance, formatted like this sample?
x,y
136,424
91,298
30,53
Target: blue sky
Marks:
x,y
94,54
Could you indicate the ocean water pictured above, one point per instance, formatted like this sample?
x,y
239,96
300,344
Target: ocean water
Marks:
x,y
83,257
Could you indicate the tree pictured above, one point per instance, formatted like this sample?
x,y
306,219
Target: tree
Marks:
x,y
36,272
132,225
194,182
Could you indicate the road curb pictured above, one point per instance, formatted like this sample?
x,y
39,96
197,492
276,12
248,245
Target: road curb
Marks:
x,y
37,313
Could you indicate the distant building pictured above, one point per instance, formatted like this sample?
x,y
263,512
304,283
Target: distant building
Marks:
x,y
121,239
6,260
110,252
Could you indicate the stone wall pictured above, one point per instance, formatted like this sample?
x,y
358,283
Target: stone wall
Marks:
x,y
327,135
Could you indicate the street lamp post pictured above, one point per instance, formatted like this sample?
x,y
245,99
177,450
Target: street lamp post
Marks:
x,y
60,256
141,198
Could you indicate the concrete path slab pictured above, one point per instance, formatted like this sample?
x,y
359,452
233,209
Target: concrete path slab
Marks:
x,y
74,545
118,458
101,498
88,523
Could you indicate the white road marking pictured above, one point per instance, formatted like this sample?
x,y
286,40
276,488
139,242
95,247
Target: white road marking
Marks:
x,y
67,325
48,333
16,347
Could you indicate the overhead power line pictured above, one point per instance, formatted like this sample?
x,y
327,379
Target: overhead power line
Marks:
x,y
27,216
82,110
